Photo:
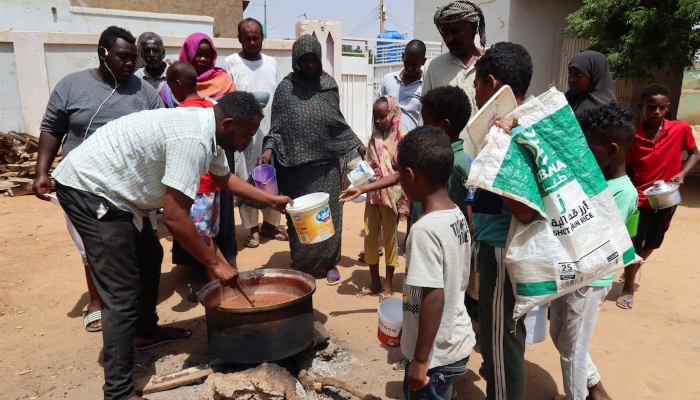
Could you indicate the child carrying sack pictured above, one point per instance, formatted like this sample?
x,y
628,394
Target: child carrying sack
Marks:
x,y
547,165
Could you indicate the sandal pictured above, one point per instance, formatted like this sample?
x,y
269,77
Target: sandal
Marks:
x,y
332,277
90,318
170,336
365,292
400,365
253,240
624,303
277,235
361,255
383,296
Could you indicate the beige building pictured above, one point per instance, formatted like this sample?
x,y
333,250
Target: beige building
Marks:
x,y
226,13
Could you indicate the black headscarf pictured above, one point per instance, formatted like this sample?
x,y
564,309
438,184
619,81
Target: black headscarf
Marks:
x,y
306,123
601,91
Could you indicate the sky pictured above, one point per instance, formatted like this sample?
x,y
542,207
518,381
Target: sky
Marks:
x,y
360,18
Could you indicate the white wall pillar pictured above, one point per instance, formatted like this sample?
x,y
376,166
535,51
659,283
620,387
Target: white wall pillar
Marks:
x,y
32,81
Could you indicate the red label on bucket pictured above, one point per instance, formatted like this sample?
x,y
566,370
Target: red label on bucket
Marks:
x,y
391,341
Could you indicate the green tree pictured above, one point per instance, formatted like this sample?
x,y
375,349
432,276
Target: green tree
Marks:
x,y
640,35
350,51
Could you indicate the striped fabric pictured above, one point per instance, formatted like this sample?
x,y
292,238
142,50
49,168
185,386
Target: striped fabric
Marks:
x,y
131,160
462,10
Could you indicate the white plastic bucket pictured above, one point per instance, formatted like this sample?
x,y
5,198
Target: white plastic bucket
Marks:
x,y
361,174
536,324
352,164
312,219
359,199
390,319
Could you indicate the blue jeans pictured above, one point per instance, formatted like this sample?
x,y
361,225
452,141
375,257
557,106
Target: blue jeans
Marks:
x,y
440,385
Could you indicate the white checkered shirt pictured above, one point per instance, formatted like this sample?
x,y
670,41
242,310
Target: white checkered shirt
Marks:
x,y
131,160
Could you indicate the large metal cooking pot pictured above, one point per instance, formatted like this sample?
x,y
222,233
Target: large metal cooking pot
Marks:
x,y
260,334
663,195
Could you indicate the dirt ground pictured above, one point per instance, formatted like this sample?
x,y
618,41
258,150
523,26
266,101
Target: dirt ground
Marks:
x,y
650,352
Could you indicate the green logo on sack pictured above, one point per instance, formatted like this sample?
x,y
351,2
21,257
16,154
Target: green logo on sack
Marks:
x,y
550,171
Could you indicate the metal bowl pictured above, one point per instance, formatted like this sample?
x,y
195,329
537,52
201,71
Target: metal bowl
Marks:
x,y
663,195
260,334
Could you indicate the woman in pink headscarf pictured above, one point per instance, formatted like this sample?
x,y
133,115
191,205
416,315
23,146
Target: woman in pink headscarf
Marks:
x,y
212,81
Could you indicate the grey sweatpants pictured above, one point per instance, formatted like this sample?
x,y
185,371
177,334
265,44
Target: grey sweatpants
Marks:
x,y
572,320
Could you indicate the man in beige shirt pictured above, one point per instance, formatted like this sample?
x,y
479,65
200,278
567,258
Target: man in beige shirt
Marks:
x,y
458,22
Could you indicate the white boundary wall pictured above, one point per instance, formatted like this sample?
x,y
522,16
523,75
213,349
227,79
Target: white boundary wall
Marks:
x,y
60,16
35,61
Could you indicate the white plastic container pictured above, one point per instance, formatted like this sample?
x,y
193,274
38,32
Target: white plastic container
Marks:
x,y
354,163
312,219
361,174
53,199
359,199
536,324
390,319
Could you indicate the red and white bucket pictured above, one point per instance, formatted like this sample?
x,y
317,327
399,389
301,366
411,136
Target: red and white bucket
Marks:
x,y
390,319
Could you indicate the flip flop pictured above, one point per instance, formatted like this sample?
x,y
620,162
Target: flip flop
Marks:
x,y
400,365
252,241
627,305
383,296
278,235
365,292
90,318
332,275
361,255
169,337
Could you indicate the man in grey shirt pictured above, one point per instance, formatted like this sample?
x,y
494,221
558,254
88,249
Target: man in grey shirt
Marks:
x,y
81,103
406,85
150,49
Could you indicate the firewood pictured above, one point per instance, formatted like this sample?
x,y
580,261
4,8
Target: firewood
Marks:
x,y
312,381
154,383
29,167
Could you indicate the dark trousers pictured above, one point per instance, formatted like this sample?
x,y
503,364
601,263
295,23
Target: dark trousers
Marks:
x,y
125,266
502,340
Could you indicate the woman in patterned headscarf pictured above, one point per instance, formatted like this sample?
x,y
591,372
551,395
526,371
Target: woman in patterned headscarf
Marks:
x,y
308,136
383,206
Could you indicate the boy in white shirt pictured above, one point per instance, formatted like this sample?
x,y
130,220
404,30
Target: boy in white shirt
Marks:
x,y
437,334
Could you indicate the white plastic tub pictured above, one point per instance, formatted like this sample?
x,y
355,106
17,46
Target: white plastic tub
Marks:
x,y
536,324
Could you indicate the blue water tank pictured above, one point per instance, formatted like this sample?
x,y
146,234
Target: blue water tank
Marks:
x,y
394,51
